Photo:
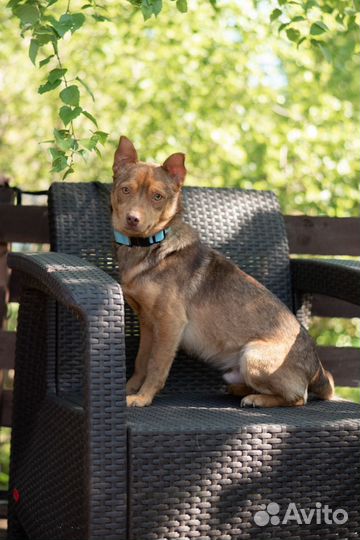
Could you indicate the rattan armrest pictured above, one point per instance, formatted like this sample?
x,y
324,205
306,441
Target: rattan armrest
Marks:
x,y
98,427
72,281
97,300
331,277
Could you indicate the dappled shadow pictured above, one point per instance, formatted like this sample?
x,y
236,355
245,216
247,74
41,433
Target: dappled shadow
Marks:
x,y
201,466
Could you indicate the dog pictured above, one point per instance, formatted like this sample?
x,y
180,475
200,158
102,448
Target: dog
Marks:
x,y
188,295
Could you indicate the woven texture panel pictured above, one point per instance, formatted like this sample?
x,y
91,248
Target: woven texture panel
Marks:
x,y
203,468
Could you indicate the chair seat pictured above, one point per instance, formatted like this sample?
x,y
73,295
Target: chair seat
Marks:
x,y
201,467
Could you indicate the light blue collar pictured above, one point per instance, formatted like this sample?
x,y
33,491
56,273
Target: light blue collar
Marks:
x,y
133,241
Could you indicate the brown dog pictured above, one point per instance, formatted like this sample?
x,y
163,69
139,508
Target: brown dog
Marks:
x,y
188,295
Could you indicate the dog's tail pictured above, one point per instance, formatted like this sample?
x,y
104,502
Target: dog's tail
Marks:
x,y
322,384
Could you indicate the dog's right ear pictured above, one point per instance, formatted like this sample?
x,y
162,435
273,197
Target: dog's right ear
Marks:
x,y
124,155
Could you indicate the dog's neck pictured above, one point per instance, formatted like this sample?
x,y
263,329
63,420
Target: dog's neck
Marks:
x,y
131,241
135,260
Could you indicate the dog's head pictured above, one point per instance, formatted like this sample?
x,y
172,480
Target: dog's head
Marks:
x,y
145,197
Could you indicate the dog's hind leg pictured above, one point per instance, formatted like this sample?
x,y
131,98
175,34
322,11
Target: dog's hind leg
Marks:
x,y
263,400
239,389
274,374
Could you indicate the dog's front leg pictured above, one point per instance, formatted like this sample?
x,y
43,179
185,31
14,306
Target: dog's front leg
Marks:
x,y
167,336
146,338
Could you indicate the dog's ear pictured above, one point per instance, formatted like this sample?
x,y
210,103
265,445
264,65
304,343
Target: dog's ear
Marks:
x,y
175,167
125,154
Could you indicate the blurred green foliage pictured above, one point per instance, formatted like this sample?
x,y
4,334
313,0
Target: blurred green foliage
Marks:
x,y
248,107
4,457
336,332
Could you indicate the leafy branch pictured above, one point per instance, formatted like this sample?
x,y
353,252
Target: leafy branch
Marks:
x,y
314,22
46,30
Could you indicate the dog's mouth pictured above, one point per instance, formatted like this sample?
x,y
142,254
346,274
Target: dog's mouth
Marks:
x,y
136,231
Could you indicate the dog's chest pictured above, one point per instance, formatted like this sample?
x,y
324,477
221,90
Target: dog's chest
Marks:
x,y
194,341
200,341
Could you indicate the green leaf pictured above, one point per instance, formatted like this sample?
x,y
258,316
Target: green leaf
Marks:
x,y
317,28
56,74
45,34
357,5
100,136
27,13
282,2
157,7
56,153
67,114
298,18
33,50
70,95
64,140
301,41
275,14
89,144
146,11
68,22
46,60
182,5
283,25
78,20
100,18
47,87
13,3
59,163
293,35
310,3
69,171
87,88
90,117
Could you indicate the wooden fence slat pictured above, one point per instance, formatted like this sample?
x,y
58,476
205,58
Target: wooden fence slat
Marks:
x,y
7,349
14,287
343,363
307,235
24,224
6,409
7,195
325,306
323,235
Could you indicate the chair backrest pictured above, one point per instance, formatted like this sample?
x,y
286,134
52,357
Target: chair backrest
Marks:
x,y
245,225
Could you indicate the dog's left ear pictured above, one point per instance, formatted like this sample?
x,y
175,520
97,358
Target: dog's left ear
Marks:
x,y
125,154
175,167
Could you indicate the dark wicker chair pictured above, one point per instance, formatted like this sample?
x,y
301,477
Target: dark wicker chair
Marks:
x,y
194,465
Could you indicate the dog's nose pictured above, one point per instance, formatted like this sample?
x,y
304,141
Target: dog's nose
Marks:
x,y
132,220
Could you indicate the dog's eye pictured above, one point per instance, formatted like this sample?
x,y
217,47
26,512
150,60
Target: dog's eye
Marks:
x,y
125,190
157,197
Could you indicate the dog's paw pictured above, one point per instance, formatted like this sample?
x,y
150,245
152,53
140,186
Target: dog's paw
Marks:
x,y
138,401
253,400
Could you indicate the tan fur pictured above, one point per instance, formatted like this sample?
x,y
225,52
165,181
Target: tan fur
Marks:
x,y
188,295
